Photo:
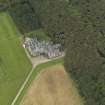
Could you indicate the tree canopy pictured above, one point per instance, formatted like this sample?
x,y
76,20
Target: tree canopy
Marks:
x,y
85,58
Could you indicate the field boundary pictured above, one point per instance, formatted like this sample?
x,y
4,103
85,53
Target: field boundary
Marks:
x,y
33,73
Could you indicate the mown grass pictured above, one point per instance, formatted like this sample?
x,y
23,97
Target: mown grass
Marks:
x,y
14,64
39,33
37,70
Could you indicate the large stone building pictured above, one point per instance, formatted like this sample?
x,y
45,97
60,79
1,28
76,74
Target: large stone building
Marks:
x,y
47,49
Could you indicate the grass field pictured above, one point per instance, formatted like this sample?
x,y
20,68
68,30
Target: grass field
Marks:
x,y
52,86
37,70
14,65
40,34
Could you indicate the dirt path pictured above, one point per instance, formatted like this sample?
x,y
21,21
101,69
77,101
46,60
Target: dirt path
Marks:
x,y
39,59
52,87
35,61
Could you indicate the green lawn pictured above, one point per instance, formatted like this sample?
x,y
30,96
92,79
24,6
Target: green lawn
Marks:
x,y
14,65
39,33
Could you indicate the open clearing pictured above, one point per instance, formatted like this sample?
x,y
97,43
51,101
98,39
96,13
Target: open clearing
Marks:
x,y
14,64
52,87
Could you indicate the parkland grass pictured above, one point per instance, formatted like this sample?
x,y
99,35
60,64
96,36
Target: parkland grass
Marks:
x,y
40,34
14,64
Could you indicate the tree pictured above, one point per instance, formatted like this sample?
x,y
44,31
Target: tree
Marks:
x,y
52,17
24,16
85,57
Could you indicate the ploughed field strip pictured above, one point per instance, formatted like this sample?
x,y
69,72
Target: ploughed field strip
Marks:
x,y
14,64
52,87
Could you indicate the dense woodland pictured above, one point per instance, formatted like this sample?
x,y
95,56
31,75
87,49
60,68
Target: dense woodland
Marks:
x,y
85,58
80,26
